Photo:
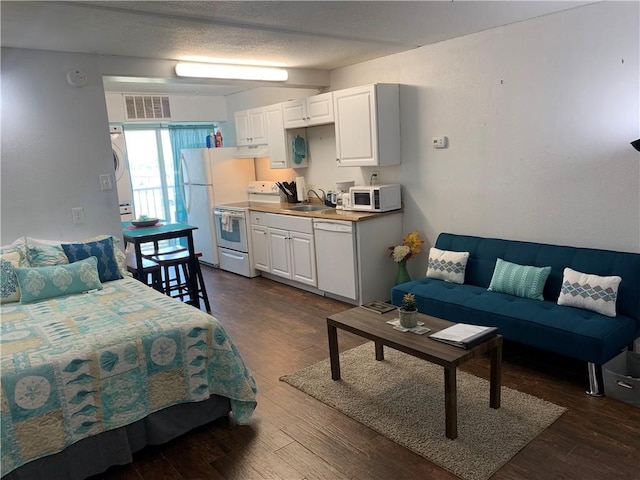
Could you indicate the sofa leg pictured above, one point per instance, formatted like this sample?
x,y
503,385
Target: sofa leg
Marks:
x,y
595,380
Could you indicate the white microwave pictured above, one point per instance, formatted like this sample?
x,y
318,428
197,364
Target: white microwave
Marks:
x,y
375,198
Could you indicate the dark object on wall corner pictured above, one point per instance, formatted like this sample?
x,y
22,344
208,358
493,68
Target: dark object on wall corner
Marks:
x,y
636,144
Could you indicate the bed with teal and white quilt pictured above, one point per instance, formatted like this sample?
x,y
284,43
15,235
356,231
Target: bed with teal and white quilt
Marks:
x,y
79,365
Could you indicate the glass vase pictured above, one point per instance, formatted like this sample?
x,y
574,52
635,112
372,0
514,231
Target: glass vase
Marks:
x,y
402,275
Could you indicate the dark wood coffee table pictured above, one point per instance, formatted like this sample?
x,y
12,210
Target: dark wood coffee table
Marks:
x,y
373,326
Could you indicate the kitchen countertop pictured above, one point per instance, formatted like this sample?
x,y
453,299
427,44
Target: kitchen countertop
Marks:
x,y
329,214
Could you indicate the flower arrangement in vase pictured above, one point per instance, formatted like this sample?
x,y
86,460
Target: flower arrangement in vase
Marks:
x,y
408,311
401,253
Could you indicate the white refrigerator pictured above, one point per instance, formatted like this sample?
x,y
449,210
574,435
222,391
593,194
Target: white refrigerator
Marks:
x,y
212,176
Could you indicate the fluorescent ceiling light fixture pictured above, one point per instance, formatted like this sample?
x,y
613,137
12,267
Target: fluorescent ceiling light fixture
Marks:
x,y
235,72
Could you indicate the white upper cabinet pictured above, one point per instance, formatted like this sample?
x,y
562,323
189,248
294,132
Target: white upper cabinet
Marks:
x,y
367,125
251,127
277,136
281,141
309,111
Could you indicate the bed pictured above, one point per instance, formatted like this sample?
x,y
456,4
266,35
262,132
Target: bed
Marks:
x,y
90,377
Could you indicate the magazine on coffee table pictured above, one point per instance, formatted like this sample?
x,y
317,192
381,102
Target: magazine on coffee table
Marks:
x,y
464,335
379,306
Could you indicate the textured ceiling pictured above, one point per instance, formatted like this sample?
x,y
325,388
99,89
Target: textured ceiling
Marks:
x,y
296,34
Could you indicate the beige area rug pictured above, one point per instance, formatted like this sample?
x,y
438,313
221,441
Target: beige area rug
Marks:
x,y
402,398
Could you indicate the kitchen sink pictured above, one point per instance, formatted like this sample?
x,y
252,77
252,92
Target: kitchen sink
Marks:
x,y
308,208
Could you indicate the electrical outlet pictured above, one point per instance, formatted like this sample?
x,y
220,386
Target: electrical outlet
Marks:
x,y
77,215
375,178
105,182
439,142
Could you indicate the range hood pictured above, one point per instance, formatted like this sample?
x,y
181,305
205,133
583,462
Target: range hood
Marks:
x,y
254,151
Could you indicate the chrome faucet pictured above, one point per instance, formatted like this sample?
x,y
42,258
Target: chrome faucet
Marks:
x,y
321,198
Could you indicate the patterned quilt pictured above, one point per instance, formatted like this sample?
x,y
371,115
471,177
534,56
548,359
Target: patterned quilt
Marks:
x,y
77,365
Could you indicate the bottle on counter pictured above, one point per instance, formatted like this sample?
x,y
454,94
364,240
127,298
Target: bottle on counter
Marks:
x,y
218,140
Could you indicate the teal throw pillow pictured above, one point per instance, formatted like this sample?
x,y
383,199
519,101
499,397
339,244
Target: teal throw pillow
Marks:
x,y
102,250
46,255
519,280
9,290
40,283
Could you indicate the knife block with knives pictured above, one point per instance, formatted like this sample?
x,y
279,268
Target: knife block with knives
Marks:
x,y
290,190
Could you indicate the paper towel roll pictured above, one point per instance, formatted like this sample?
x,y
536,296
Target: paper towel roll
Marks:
x,y
301,189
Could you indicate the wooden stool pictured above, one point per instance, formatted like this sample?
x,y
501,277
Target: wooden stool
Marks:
x,y
150,270
175,279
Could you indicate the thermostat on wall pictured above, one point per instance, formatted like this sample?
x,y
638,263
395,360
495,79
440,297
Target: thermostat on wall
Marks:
x,y
76,78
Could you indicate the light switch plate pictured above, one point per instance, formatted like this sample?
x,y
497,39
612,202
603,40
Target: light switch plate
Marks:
x,y
105,182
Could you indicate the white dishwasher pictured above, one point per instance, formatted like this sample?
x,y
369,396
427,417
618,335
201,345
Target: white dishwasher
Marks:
x,y
336,257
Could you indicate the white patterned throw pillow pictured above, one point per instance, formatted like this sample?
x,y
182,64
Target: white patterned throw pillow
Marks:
x,y
446,265
590,292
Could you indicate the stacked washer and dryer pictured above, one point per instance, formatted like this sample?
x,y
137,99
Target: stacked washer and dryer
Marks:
x,y
123,178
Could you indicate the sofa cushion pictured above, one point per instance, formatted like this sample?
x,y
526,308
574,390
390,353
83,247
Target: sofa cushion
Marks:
x,y
592,292
446,265
581,334
519,280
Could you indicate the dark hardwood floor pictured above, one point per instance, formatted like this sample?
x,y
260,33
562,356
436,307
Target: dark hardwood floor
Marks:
x,y
279,329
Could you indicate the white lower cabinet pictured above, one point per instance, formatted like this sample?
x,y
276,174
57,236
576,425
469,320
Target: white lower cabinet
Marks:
x,y
279,252
260,248
293,255
303,258
283,245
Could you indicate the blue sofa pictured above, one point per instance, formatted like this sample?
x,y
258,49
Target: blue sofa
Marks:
x,y
573,332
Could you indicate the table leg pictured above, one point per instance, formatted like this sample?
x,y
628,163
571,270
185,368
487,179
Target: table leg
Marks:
x,y
496,376
334,356
194,298
379,351
450,403
139,271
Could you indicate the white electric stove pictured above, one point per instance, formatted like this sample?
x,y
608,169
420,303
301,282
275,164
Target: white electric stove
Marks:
x,y
232,228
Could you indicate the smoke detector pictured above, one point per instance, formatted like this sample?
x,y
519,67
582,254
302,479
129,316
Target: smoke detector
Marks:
x,y
77,78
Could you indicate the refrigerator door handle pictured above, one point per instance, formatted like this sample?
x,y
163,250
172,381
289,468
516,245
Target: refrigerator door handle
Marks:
x,y
186,185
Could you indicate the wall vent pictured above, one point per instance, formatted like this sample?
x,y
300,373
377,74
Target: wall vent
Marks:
x,y
147,107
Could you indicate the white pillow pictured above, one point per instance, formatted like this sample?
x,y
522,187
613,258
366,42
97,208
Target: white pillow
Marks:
x,y
590,292
446,265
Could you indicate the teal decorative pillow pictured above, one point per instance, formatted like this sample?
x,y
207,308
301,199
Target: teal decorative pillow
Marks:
x,y
40,283
46,255
519,280
9,290
590,292
102,250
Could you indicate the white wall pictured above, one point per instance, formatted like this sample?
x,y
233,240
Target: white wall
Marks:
x,y
539,117
55,143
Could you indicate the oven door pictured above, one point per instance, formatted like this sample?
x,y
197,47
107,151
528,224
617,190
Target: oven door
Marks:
x,y
231,229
